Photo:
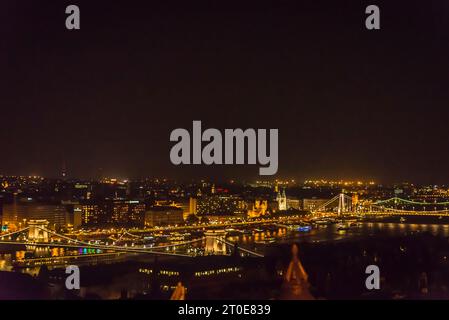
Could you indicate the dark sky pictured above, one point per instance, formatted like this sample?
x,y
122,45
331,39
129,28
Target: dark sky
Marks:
x,y
348,102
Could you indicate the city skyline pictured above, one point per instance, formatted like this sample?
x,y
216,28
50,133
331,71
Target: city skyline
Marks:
x,y
156,239
227,153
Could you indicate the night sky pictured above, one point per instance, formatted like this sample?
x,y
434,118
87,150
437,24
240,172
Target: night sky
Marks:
x,y
348,102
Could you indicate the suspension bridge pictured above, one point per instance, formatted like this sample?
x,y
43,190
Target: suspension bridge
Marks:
x,y
340,204
343,204
36,234
405,207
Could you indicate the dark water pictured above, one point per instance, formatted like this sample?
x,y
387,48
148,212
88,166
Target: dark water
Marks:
x,y
410,255
330,233
257,241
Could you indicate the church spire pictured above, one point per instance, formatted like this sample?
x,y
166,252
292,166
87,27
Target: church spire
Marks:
x,y
296,282
281,198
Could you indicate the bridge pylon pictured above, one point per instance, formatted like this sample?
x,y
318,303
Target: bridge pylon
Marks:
x,y
215,242
341,204
37,230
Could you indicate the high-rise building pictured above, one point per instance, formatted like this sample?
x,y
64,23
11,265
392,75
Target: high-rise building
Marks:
x,y
77,218
111,212
163,216
17,214
91,213
192,205
127,212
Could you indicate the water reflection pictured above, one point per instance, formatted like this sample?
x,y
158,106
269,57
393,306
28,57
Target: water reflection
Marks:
x,y
257,239
331,233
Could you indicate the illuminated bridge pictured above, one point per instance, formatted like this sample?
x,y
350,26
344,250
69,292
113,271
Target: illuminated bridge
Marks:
x,y
404,207
21,237
37,234
340,204
345,205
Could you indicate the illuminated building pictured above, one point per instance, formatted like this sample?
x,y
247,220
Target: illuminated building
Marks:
x,y
221,205
90,213
130,212
115,212
192,205
259,209
82,190
355,200
77,218
163,215
169,203
198,274
313,203
262,183
16,215
281,199
185,206
5,185
188,206
293,204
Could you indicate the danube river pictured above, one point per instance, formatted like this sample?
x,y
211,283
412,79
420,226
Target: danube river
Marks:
x,y
256,239
413,257
331,233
